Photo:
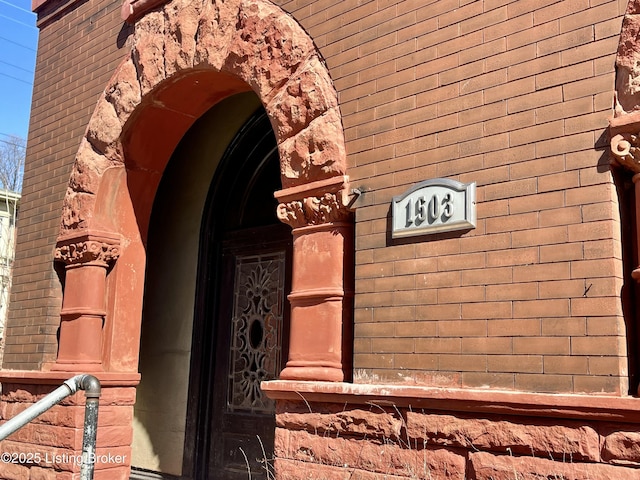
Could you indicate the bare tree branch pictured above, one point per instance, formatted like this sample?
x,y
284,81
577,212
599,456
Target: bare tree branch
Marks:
x,y
12,155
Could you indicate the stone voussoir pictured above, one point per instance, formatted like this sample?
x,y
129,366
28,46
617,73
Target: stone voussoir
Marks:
x,y
216,28
123,89
267,49
307,95
87,173
148,50
317,152
181,25
104,128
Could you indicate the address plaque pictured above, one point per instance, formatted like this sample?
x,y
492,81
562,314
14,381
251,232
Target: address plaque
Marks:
x,y
434,206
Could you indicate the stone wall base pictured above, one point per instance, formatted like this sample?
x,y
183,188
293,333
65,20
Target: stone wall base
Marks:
x,y
377,441
49,447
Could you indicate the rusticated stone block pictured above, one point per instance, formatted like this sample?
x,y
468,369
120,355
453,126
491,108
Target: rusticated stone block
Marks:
x,y
216,27
307,95
358,422
181,25
294,470
38,473
384,456
627,62
621,446
313,154
571,441
267,49
89,167
148,50
486,466
13,471
49,435
123,90
104,129
24,393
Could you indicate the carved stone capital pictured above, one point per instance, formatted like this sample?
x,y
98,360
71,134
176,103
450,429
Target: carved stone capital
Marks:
x,y
315,203
316,210
625,148
88,247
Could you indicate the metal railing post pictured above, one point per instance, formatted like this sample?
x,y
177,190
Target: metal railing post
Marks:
x,y
91,387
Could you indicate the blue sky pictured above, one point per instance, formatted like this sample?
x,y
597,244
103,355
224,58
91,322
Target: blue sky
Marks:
x,y
18,43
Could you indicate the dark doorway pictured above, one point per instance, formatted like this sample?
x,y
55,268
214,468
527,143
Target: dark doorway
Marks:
x,y
241,320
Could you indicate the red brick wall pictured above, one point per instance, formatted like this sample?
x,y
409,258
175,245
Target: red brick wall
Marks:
x,y
515,96
79,47
512,95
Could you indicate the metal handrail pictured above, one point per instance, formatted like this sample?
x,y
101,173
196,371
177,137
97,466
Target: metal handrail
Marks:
x,y
91,387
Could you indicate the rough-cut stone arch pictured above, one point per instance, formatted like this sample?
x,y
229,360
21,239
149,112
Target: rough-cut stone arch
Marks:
x,y
254,41
187,55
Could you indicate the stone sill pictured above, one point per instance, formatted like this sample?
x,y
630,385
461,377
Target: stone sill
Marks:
x,y
590,407
35,377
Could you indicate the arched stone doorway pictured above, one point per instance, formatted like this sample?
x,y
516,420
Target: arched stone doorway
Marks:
x,y
187,57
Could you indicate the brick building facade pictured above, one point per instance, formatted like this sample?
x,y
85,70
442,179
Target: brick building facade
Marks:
x,y
152,222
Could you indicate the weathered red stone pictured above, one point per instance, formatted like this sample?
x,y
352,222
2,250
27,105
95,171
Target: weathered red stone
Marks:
x,y
123,90
296,470
148,50
621,445
386,456
312,154
486,466
216,28
350,422
574,441
307,95
628,73
267,48
181,25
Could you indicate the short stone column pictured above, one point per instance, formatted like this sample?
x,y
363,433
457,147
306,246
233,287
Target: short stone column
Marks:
x,y
87,255
321,286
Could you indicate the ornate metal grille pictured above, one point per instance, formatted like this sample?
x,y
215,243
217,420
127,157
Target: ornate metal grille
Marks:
x,y
256,329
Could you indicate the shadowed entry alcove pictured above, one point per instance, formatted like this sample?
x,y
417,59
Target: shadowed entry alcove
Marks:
x,y
213,226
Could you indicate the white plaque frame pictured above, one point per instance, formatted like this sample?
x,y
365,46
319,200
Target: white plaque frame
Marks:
x,y
434,206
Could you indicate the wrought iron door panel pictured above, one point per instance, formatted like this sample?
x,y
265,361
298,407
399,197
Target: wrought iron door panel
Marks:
x,y
251,322
256,330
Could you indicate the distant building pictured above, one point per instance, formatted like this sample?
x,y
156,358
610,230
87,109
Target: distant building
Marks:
x,y
9,204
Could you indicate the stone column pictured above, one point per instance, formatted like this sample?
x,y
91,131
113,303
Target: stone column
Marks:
x,y
321,287
87,255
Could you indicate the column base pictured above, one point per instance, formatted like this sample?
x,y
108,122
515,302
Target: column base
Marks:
x,y
76,367
322,374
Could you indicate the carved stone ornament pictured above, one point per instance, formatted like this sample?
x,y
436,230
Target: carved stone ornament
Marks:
x,y
88,248
625,148
327,208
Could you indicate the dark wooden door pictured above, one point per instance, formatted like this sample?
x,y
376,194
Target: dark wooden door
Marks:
x,y
251,325
241,322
